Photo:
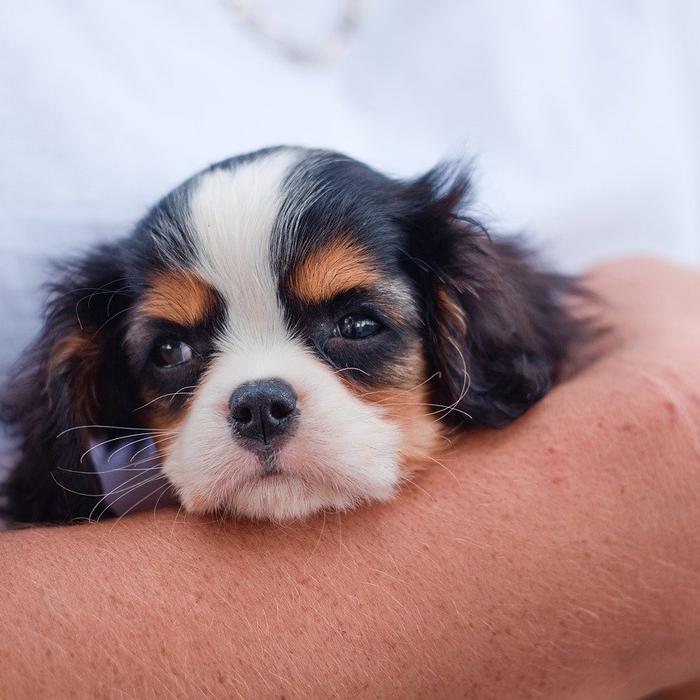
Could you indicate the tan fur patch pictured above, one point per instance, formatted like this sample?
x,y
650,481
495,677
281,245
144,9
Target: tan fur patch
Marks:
x,y
410,409
161,418
180,297
80,354
408,406
336,268
453,311
73,348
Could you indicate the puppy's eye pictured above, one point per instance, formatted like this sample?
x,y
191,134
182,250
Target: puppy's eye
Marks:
x,y
170,352
355,327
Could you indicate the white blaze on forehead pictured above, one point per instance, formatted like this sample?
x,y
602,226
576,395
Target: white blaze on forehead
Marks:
x,y
233,212
344,449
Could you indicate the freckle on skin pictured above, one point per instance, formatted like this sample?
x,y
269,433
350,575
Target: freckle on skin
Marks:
x,y
557,480
627,427
551,451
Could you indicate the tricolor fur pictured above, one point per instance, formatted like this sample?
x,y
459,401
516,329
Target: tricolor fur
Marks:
x,y
247,271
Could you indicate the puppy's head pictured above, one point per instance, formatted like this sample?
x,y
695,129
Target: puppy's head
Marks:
x,y
294,330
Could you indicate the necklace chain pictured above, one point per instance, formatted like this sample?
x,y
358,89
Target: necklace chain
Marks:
x,y
325,51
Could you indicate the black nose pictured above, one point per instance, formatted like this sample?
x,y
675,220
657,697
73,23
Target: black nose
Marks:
x,y
263,411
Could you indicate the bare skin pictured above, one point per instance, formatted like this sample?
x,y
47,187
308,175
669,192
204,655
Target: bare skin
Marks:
x,y
556,558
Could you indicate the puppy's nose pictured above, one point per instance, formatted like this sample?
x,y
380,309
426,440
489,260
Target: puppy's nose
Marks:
x,y
263,411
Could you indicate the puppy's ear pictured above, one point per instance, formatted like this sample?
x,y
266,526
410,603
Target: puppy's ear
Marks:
x,y
66,379
497,327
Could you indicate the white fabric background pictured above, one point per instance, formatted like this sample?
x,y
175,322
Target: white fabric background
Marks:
x,y
584,116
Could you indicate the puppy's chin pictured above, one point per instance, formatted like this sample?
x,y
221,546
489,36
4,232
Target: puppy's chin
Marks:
x,y
278,498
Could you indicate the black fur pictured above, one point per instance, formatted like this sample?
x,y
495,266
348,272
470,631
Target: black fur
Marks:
x,y
497,323
51,482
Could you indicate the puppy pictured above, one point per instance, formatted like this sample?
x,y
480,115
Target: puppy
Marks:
x,y
286,332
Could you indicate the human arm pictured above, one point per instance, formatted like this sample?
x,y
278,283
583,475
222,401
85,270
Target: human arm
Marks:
x,y
557,557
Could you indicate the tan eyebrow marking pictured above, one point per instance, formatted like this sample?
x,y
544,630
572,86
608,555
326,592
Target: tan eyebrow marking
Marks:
x,y
337,267
178,296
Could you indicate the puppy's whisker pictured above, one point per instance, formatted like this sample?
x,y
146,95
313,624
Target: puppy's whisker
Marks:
x,y
129,444
70,490
409,390
441,464
112,427
415,485
131,468
175,519
180,392
110,319
99,292
135,505
155,443
450,409
134,466
466,381
442,408
123,489
109,303
425,381
103,288
157,503
106,442
446,439
95,291
351,369
107,495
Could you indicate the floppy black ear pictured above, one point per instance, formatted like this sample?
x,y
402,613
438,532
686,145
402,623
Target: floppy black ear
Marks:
x,y
62,382
498,330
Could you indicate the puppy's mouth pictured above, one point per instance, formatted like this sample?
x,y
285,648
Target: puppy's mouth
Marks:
x,y
270,466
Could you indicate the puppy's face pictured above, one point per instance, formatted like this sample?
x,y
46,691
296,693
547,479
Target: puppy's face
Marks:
x,y
296,330
281,342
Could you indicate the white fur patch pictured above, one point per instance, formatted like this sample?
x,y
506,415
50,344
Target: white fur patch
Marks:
x,y
344,450
232,212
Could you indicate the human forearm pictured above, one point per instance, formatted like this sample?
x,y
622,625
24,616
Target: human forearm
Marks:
x,y
558,555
